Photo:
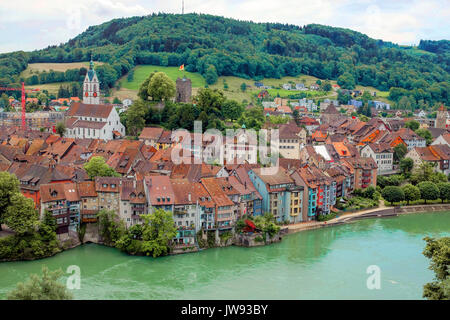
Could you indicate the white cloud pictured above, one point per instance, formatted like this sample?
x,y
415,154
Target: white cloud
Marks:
x,y
30,24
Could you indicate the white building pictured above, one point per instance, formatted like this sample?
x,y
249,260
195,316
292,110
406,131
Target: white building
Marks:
x,y
383,155
93,121
91,86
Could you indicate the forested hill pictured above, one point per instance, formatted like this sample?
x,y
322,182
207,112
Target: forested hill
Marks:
x,y
216,46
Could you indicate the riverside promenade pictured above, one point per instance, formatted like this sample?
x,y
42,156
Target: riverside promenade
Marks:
x,y
380,212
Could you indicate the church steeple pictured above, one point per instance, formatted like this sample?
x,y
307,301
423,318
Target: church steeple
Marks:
x,y
91,86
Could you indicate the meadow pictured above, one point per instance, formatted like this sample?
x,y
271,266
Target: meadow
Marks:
x,y
142,72
34,68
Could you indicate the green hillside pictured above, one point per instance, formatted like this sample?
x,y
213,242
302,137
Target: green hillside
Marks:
x,y
221,47
140,73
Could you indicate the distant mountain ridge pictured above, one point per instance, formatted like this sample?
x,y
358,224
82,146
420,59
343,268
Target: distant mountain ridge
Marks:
x,y
217,46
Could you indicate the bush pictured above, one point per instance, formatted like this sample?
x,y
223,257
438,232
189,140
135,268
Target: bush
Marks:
x,y
428,191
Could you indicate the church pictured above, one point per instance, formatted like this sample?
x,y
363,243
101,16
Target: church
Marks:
x,y
90,119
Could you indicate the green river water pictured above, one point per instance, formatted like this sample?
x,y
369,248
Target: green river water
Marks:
x,y
328,263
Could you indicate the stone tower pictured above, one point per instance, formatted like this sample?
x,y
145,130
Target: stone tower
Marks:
x,y
91,86
441,117
184,90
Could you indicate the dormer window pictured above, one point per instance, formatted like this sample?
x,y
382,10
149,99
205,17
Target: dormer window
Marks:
x,y
105,185
168,199
113,185
158,199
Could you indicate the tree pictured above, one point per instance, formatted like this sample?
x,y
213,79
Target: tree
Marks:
x,y
243,87
426,134
97,167
412,124
21,216
423,173
406,166
231,109
412,193
393,194
158,230
135,117
444,190
399,151
161,87
428,191
111,227
143,89
9,186
438,250
45,287
61,129
346,81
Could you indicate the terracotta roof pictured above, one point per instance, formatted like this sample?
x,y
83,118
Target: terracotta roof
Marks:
x,y
87,189
280,177
160,190
151,133
107,184
78,109
214,189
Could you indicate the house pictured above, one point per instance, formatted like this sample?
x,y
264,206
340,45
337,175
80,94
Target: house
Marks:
x,y
410,138
108,192
93,121
314,86
438,155
192,202
133,202
364,171
63,202
319,191
310,124
127,102
225,209
159,192
150,136
300,87
442,139
383,155
89,201
287,86
250,199
280,195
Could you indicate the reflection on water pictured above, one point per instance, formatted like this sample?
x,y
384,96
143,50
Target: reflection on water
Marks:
x,y
327,263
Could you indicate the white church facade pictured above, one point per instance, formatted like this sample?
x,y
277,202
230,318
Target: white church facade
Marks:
x,y
91,119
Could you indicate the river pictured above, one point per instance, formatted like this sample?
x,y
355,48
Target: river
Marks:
x,y
327,263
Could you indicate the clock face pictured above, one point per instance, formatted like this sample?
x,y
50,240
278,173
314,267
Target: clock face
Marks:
x,y
95,94
86,94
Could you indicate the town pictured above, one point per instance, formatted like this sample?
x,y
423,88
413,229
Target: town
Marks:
x,y
330,158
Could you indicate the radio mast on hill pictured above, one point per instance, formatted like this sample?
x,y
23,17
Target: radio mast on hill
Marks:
x,y
182,9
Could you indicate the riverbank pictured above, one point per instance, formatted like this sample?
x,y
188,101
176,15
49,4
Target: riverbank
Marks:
x,y
71,241
380,212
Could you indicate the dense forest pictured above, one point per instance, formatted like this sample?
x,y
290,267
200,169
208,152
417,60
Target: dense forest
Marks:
x,y
216,46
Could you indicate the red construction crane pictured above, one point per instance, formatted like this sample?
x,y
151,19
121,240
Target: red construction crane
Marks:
x,y
24,125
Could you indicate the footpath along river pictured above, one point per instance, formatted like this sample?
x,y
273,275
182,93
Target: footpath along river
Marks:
x,y
327,263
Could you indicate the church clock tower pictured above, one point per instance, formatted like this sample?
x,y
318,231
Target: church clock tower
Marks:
x,y
91,86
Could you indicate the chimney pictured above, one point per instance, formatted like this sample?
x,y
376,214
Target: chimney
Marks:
x,y
134,183
150,182
189,197
245,184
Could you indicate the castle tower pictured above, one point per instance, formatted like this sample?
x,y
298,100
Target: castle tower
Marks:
x,y
184,90
91,86
441,117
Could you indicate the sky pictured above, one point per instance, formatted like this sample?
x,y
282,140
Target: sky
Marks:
x,y
31,24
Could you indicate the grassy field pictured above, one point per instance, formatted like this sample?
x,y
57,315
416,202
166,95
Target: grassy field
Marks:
x,y
50,87
143,71
40,67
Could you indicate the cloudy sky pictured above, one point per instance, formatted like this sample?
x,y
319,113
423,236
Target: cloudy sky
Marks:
x,y
31,24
